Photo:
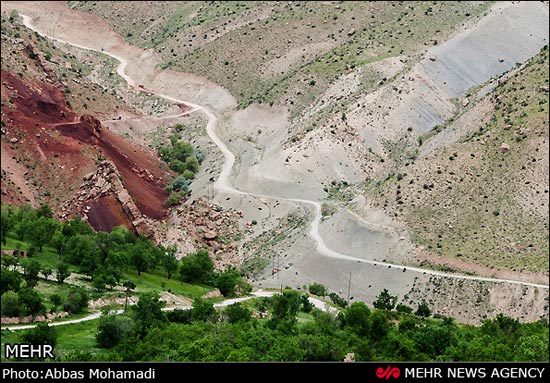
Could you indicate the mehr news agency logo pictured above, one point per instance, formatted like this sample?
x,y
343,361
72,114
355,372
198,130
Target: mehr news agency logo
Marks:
x,y
497,372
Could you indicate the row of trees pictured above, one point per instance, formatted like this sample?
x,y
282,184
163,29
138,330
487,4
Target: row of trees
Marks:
x,y
105,257
147,333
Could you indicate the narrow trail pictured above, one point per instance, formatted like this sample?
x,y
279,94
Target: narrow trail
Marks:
x,y
223,185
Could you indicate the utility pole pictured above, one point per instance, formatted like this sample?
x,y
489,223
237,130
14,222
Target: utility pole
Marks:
x,y
349,286
278,264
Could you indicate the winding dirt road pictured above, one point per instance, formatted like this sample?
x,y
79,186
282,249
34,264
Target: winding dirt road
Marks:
x,y
256,294
223,183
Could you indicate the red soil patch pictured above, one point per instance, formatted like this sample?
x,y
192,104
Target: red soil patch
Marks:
x,y
130,161
63,146
106,213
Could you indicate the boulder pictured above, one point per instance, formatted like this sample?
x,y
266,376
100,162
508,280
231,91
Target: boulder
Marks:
x,y
504,148
210,234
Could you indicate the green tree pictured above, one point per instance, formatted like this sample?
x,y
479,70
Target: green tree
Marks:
x,y
41,231
148,312
76,301
112,329
357,317
285,308
129,285
401,308
31,269
385,301
307,306
10,280
188,175
227,281
31,301
56,301
197,268
58,242
44,211
169,261
10,304
46,272
237,313
192,164
76,226
141,255
62,272
379,325
203,311
338,300
318,289
7,222
423,310
41,334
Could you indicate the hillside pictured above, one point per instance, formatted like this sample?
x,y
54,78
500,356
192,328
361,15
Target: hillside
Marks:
x,y
54,155
478,192
364,146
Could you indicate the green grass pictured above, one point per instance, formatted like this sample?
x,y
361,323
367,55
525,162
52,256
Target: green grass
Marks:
x,y
48,256
152,281
70,338
76,337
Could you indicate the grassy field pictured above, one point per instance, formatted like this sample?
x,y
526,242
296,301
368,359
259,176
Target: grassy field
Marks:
x,y
75,337
156,280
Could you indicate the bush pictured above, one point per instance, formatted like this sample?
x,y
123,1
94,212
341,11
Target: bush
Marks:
x,y
173,199
401,308
338,300
76,301
317,289
112,329
10,304
41,334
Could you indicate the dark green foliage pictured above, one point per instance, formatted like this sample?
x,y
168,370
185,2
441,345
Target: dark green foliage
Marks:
x,y
41,334
237,313
197,268
148,312
179,316
338,300
423,310
169,261
31,269
182,158
203,311
10,280
401,308
317,289
62,272
285,308
7,221
173,199
142,255
112,329
227,281
31,302
307,306
385,301
10,304
76,301
56,300
357,317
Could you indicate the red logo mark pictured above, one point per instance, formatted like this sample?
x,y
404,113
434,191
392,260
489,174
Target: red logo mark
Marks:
x,y
388,373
